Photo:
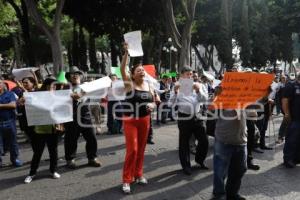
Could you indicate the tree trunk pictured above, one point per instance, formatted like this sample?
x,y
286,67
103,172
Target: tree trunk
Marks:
x,y
52,33
22,15
114,54
75,46
17,50
92,52
56,49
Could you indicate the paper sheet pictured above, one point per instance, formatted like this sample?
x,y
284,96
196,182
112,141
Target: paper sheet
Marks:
x,y
96,85
186,86
45,107
134,41
118,90
19,74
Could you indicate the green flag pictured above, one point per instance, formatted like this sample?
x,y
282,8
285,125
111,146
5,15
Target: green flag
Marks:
x,y
117,71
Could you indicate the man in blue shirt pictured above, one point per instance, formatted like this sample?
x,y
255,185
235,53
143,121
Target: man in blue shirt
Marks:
x,y
8,123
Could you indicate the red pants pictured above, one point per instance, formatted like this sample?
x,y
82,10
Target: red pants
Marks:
x,y
136,133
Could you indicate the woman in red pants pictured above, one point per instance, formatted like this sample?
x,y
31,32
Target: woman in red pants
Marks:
x,y
137,107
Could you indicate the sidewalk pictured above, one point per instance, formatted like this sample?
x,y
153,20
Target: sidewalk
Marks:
x,y
162,168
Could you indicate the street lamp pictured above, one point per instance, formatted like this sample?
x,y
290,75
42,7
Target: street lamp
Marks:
x,y
168,48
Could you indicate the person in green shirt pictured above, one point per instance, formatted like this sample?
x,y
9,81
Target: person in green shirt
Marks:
x,y
44,134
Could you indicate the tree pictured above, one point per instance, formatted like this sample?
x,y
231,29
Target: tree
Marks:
x,y
182,39
225,43
82,51
22,15
92,51
261,37
51,31
244,41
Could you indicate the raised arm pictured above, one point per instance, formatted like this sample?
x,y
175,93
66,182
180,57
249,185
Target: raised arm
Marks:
x,y
125,77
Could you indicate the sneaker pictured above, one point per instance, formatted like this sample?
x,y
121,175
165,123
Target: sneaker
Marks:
x,y
29,179
18,163
56,175
71,164
126,188
141,180
150,142
95,162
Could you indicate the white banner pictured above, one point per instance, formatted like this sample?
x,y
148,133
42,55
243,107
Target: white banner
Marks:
x,y
48,107
19,74
96,85
134,41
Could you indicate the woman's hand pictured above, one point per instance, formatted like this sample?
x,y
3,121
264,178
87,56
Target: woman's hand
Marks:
x,y
150,107
77,96
21,101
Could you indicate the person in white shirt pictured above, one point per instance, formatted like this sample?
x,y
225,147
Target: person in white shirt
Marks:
x,y
190,119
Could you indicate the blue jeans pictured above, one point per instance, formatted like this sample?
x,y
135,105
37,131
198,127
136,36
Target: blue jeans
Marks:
x,y
229,161
292,143
9,128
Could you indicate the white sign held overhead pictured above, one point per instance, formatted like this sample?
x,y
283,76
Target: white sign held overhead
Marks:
x,y
96,85
21,73
134,41
48,107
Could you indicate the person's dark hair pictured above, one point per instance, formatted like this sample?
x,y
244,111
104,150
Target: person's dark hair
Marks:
x,y
186,69
47,82
31,79
111,75
135,63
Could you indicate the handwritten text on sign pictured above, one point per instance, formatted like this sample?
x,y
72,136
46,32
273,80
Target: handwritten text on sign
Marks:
x,y
242,89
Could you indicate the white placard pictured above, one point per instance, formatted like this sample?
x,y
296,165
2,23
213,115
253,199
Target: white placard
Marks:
x,y
19,74
96,85
186,86
134,41
118,90
48,107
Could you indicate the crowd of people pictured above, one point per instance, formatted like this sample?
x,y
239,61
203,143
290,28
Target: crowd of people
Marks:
x,y
236,132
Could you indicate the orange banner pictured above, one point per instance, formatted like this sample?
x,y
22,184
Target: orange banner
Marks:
x,y
242,89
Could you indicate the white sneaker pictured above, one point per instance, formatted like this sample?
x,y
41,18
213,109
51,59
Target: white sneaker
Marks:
x,y
56,175
142,180
29,179
126,188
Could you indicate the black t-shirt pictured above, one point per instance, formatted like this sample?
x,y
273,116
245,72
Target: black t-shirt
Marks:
x,y
292,92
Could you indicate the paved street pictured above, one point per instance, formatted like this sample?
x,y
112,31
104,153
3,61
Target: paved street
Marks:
x,y
166,182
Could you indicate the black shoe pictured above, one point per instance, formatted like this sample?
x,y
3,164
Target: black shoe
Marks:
x,y
187,171
163,121
289,164
266,148
150,142
202,166
71,164
257,151
236,197
253,166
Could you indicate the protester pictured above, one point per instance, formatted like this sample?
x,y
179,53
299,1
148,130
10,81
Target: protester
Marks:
x,y
138,105
284,123
44,135
114,124
8,124
230,153
28,84
191,121
162,109
82,123
291,106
